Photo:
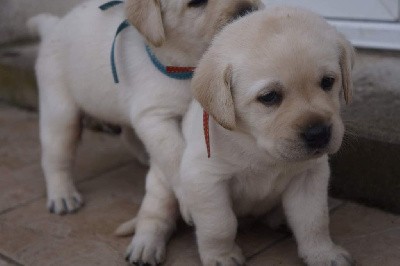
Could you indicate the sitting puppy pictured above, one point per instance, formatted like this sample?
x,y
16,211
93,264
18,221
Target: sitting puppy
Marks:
x,y
74,76
271,82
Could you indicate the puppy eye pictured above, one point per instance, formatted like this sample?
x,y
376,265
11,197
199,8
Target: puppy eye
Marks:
x,y
272,98
197,3
327,83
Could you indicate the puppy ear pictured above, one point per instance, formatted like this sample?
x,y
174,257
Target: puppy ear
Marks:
x,y
211,87
346,62
145,15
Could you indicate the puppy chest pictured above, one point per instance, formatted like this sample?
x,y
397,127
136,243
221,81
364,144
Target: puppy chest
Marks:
x,y
255,194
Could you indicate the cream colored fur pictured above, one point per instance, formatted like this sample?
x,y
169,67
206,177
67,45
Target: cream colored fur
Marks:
x,y
259,158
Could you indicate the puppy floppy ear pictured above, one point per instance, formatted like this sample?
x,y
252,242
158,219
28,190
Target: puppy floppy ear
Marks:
x,y
346,61
211,87
145,15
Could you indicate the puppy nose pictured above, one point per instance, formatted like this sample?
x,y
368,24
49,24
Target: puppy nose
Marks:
x,y
317,136
244,9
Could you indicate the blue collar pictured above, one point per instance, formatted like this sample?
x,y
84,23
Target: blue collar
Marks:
x,y
182,74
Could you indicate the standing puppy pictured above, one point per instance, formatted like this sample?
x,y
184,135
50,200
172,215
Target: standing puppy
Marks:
x,y
272,83
74,76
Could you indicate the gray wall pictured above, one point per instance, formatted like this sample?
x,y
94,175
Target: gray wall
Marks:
x,y
15,13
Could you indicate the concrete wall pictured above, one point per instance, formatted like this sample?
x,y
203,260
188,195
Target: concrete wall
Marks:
x,y
14,14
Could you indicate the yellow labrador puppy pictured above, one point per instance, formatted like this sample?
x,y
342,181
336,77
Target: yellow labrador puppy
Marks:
x,y
271,83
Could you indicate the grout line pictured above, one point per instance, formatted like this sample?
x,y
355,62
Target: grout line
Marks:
x,y
274,243
90,178
20,205
10,260
80,182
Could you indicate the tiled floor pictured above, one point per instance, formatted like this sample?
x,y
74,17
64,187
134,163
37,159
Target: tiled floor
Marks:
x,y
112,184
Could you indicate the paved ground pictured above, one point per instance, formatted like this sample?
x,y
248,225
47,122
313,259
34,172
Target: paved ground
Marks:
x,y
112,184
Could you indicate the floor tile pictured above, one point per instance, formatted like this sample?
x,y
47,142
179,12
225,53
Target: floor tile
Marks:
x,y
31,235
6,262
370,235
253,238
112,198
21,177
19,143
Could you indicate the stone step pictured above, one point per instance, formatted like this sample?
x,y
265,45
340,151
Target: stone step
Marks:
x,y
17,79
365,170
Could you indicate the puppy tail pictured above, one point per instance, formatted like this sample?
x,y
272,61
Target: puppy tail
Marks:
x,y
127,228
42,24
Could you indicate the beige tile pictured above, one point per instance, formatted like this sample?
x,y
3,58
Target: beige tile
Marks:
x,y
110,199
20,171
370,235
253,238
30,231
283,254
18,138
6,262
33,248
31,235
21,186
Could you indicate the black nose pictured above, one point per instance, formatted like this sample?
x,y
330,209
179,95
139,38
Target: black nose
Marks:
x,y
243,10
317,136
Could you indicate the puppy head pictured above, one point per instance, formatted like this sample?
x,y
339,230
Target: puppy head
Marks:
x,y
277,75
188,24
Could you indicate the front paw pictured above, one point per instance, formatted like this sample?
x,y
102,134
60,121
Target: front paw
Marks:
x,y
146,249
336,256
233,257
64,201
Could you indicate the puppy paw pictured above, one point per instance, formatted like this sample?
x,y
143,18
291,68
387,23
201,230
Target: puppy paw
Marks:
x,y
336,256
64,202
146,249
232,258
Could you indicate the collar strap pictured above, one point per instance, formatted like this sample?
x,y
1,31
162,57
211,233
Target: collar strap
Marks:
x,y
206,128
120,28
110,4
124,24
181,73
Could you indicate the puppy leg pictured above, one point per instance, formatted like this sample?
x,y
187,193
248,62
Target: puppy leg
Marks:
x,y
155,221
306,208
60,131
162,137
208,206
134,145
